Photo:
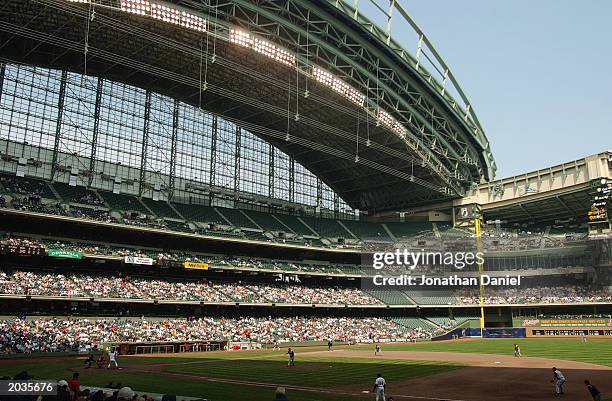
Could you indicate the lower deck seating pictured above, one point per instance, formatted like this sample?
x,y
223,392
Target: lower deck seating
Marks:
x,y
391,297
413,323
433,297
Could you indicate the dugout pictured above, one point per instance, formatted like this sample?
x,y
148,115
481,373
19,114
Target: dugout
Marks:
x,y
167,347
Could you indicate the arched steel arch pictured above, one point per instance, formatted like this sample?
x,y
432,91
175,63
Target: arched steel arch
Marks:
x,y
373,168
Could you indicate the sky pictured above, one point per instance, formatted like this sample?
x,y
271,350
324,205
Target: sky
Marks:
x,y
537,72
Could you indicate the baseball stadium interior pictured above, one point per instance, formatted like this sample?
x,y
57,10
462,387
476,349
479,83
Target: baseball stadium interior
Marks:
x,y
200,180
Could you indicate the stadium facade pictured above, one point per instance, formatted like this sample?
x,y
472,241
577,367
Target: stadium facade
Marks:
x,y
242,156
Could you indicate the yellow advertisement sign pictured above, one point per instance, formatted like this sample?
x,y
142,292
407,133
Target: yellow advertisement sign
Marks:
x,y
195,265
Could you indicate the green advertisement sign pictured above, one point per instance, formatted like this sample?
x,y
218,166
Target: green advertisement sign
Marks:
x,y
59,253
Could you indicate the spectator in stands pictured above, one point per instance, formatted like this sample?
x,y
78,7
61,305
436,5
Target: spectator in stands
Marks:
x,y
52,284
280,394
125,394
61,335
63,392
74,385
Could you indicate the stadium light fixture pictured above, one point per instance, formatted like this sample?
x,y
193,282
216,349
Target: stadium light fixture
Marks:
x,y
78,1
387,119
178,17
141,7
262,46
338,85
163,13
192,21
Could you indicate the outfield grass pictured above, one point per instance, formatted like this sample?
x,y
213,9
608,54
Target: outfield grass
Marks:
x,y
598,351
321,371
158,382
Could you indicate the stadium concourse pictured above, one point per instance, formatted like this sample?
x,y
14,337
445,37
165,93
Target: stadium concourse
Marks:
x,y
191,193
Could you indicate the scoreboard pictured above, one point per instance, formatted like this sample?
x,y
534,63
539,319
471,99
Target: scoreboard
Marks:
x,y
25,250
599,212
591,327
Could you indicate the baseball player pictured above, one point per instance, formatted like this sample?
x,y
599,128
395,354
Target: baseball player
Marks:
x,y
330,344
276,346
291,356
379,387
559,381
594,391
112,359
377,349
517,350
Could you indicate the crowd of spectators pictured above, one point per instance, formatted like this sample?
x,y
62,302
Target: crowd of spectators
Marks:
x,y
180,256
8,239
141,220
64,334
23,187
88,199
125,287
92,214
541,295
34,203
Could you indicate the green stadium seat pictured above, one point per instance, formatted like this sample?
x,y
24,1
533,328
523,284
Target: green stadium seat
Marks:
x,y
199,213
160,208
326,227
123,203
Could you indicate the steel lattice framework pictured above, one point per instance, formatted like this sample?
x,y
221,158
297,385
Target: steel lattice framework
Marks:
x,y
400,140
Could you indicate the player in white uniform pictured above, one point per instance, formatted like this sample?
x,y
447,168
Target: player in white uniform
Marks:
x,y
112,359
379,388
559,381
517,350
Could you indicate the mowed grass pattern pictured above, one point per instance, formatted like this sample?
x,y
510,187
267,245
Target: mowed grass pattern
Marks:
x,y
146,383
598,351
311,371
322,371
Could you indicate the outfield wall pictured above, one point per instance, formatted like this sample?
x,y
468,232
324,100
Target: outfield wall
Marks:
x,y
566,327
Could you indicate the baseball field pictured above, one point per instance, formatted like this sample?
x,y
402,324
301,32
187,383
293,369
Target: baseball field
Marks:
x,y
468,370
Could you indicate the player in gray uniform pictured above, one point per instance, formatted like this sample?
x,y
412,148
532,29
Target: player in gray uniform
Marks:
x,y
559,380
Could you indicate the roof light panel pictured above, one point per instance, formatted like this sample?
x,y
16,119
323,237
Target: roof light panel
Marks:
x,y
241,38
388,120
140,7
193,22
338,85
262,46
178,17
165,13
